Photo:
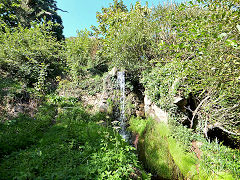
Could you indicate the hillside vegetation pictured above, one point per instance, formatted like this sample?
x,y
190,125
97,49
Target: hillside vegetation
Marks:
x,y
185,56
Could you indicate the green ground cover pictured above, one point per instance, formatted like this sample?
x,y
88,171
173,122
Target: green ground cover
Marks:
x,y
75,146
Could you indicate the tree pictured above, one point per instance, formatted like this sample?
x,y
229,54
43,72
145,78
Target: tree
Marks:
x,y
109,19
24,12
7,15
126,35
81,53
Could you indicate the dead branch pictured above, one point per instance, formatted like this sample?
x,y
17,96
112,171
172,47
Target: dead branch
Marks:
x,y
196,110
217,125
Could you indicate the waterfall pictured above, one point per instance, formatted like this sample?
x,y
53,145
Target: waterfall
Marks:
x,y
121,82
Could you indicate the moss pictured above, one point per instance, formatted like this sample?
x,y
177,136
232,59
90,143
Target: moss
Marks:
x,y
161,152
185,161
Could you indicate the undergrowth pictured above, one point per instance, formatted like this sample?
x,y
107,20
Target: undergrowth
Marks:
x,y
24,131
217,161
162,153
76,146
167,150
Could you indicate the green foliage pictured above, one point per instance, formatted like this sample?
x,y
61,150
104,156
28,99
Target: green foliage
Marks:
x,y
75,147
156,151
162,153
220,161
165,149
197,55
31,55
8,87
184,135
137,125
177,50
127,35
92,84
185,161
7,15
81,53
23,12
87,85
163,82
217,161
61,101
108,19
23,131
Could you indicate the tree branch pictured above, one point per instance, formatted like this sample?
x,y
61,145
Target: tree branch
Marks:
x,y
217,125
62,10
198,107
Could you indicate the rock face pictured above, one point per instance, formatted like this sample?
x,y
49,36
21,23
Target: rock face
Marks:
x,y
92,101
107,91
113,72
155,112
21,103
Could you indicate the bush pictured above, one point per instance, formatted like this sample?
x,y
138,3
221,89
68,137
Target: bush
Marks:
x,y
198,55
127,36
31,55
81,54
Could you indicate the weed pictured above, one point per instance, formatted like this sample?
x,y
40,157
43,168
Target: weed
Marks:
x,y
76,147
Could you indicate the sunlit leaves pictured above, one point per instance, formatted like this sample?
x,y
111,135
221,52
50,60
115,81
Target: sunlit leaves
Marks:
x,y
205,41
30,54
238,27
25,12
81,53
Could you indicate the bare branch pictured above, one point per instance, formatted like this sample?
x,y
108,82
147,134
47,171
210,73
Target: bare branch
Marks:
x,y
217,125
196,110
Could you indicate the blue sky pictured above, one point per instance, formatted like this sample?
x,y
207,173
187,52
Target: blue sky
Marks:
x,y
82,13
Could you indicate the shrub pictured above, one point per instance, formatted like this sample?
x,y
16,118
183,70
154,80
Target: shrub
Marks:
x,y
32,55
81,54
198,55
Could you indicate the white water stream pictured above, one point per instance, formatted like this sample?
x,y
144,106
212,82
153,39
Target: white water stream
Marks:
x,y
121,82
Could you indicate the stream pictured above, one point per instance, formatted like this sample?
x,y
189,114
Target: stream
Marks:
x,y
122,119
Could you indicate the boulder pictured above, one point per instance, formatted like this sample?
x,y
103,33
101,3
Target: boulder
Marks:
x,y
160,115
103,108
154,111
147,104
113,72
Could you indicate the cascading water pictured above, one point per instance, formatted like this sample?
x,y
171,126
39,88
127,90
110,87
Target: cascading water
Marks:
x,y
121,82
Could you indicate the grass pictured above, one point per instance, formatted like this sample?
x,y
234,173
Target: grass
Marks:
x,y
161,152
217,161
23,131
153,146
75,147
166,151
185,161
